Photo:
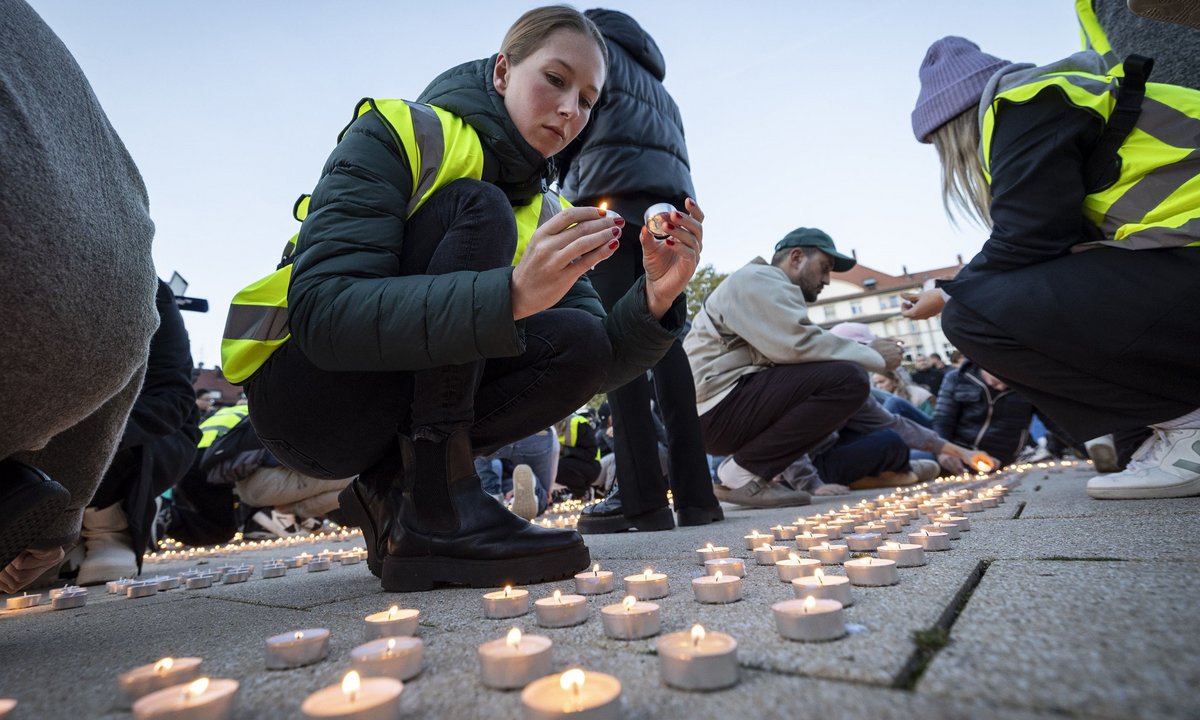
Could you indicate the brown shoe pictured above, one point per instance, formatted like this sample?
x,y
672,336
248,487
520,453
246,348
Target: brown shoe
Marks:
x,y
1181,12
884,480
758,493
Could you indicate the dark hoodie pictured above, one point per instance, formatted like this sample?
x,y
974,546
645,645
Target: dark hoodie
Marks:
x,y
633,151
348,305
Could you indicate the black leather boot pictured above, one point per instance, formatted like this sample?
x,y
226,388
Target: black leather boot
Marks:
x,y
448,530
31,501
371,499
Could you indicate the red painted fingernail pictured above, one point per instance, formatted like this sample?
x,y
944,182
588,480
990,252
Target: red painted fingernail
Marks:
x,y
676,217
613,245
620,222
670,241
670,226
616,232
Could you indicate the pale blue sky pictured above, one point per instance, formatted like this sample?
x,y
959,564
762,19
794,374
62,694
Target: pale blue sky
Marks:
x,y
797,113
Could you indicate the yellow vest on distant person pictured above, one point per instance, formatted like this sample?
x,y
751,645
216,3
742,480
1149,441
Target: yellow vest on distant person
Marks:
x,y
221,422
440,148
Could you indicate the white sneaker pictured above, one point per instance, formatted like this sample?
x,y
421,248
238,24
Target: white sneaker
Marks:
x,y
1167,465
276,524
524,502
925,470
1103,453
108,547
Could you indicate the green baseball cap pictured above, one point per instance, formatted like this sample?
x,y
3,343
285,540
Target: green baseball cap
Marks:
x,y
812,237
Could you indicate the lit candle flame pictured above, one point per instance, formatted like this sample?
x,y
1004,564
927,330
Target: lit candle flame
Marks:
x,y
558,596
350,685
697,634
629,602
766,546
823,546
649,572
717,576
299,635
596,570
820,576
514,639
572,681
392,612
794,557
603,209
391,645
162,666
709,547
507,590
810,602
196,688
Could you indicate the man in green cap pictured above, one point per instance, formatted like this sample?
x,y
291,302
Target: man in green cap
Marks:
x,y
770,384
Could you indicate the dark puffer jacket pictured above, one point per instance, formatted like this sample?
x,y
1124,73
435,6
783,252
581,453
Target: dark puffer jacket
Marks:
x,y
349,307
974,415
635,139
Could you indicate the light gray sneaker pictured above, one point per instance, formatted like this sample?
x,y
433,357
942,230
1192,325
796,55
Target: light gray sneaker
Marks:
x,y
760,493
925,470
524,502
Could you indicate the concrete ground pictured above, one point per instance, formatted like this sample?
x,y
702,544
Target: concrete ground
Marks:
x,y
1053,605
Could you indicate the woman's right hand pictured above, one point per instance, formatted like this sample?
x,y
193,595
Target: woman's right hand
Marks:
x,y
560,251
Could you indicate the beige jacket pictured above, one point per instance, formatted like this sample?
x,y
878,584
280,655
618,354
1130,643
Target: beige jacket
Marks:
x,y
754,320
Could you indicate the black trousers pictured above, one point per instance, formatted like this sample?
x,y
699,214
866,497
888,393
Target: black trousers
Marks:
x,y
335,424
643,487
774,416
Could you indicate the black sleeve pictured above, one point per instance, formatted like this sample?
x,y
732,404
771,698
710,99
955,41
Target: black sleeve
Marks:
x,y
945,412
1038,152
167,399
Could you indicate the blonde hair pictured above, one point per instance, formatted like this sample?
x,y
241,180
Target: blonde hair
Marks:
x,y
964,187
530,31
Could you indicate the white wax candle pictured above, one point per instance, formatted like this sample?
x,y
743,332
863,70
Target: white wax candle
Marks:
x,y
394,657
24,602
709,552
506,603
810,619
964,524
833,531
971,506
236,576
784,532
755,539
168,583
561,610
274,571
6,706
202,699
373,698
726,566
393,622
199,581
594,581
830,554
698,659
931,541
891,525
145,679
294,562
824,587
806,540
297,648
863,542
717,589
770,554
69,600
951,529
903,554
871,572
573,694
141,589
631,619
514,661
648,585
320,564
350,559
793,567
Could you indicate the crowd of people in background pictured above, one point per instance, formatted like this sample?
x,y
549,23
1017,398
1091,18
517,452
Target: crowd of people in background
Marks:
x,y
549,357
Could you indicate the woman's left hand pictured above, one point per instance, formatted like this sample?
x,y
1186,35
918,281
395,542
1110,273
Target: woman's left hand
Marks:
x,y
925,305
670,263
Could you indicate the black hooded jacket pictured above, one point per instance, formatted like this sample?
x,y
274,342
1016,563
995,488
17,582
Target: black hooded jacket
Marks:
x,y
633,149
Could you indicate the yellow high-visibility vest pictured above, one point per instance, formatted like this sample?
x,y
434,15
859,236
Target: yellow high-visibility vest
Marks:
x,y
441,148
573,435
221,422
1092,35
1155,200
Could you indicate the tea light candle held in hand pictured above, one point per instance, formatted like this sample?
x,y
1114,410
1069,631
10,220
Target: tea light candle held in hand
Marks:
x,y
647,586
824,587
594,582
793,567
727,566
810,619
145,679
871,572
767,554
202,699
394,657
393,622
698,659
708,552
514,661
561,610
903,554
830,554
631,620
506,603
296,649
717,588
356,698
573,694
931,541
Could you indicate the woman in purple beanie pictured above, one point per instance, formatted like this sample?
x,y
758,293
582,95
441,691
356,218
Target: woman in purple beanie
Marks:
x,y
1082,296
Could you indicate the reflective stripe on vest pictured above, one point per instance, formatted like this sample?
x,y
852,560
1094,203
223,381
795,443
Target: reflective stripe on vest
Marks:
x,y
1092,34
221,422
1155,200
440,148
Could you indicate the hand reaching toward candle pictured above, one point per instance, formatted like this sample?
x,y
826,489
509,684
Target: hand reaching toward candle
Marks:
x,y
560,251
670,263
27,567
919,306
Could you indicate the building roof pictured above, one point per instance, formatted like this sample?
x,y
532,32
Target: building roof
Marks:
x,y
860,274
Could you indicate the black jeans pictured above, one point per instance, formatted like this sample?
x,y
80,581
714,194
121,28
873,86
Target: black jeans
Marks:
x,y
335,424
643,487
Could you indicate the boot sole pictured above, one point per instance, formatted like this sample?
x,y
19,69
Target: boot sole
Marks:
x,y
28,509
1189,488
402,574
653,521
692,516
356,513
1104,458
525,502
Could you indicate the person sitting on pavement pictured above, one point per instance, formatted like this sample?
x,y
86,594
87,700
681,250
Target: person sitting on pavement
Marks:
x,y
579,455
976,409
930,372
1081,297
536,467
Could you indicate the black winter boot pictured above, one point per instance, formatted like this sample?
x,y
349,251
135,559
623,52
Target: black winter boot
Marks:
x,y
370,501
448,530
30,501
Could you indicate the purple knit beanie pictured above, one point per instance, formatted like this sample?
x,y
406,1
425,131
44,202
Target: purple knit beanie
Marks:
x,y
953,75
